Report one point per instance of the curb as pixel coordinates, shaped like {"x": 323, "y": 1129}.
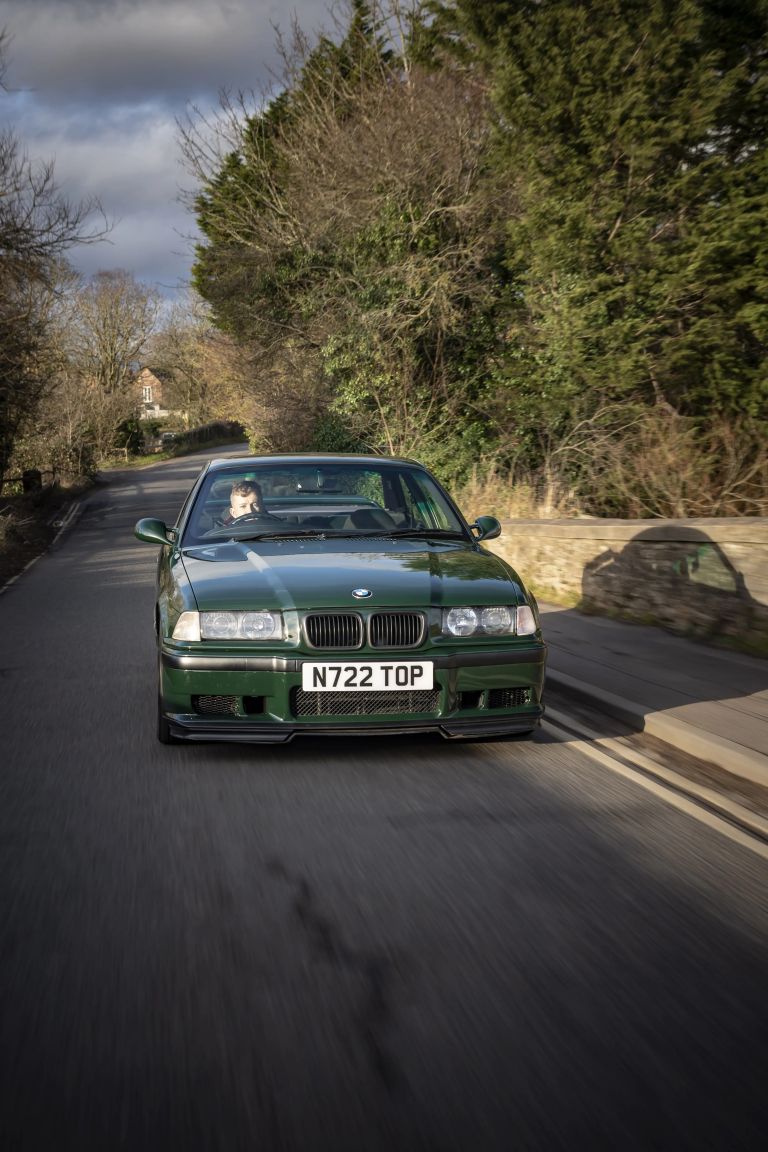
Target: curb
{"x": 714, "y": 801}
{"x": 731, "y": 757}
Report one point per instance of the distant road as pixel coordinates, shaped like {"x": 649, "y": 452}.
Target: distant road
{"x": 348, "y": 946}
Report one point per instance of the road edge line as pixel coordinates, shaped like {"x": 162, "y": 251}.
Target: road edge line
{"x": 72, "y": 514}
{"x": 725, "y": 816}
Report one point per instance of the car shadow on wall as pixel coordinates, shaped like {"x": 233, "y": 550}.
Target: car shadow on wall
{"x": 687, "y": 585}
{"x": 666, "y": 623}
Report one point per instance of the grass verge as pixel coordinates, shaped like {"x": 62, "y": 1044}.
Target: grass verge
{"x": 28, "y": 524}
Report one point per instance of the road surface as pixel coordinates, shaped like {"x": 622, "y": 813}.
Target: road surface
{"x": 342, "y": 945}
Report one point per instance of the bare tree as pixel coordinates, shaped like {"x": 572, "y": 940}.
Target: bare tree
{"x": 106, "y": 331}
{"x": 38, "y": 225}
{"x": 112, "y": 320}
{"x": 350, "y": 224}
{"x": 668, "y": 465}
{"x": 178, "y": 350}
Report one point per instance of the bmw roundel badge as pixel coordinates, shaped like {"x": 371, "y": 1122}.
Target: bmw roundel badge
{"x": 361, "y": 593}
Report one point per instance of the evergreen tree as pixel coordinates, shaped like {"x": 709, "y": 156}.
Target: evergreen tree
{"x": 633, "y": 132}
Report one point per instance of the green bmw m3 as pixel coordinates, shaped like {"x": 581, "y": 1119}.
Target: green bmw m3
{"x": 332, "y": 594}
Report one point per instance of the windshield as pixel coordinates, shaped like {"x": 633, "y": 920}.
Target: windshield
{"x": 304, "y": 499}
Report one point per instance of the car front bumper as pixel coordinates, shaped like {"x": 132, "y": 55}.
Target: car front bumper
{"x": 478, "y": 693}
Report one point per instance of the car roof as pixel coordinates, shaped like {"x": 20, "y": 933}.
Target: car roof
{"x": 316, "y": 458}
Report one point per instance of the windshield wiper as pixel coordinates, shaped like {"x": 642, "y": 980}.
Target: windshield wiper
{"x": 284, "y": 534}
{"x": 311, "y": 534}
{"x": 335, "y": 534}
{"x": 427, "y": 533}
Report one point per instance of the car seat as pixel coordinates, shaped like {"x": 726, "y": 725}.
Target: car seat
{"x": 371, "y": 518}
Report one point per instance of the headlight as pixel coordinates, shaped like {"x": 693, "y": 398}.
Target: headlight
{"x": 496, "y": 620}
{"x": 218, "y": 625}
{"x": 492, "y": 620}
{"x": 261, "y": 626}
{"x": 460, "y": 622}
{"x": 241, "y": 626}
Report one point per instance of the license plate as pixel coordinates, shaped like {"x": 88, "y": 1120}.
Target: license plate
{"x": 396, "y": 676}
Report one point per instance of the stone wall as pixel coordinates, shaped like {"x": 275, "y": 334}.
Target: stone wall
{"x": 706, "y": 578}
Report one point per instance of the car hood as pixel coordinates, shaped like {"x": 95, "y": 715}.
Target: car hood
{"x": 310, "y": 574}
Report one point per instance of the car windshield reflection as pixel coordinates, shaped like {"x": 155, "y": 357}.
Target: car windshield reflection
{"x": 274, "y": 501}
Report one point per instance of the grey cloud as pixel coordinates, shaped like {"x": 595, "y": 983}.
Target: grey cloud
{"x": 135, "y": 160}
{"x": 176, "y": 50}
{"x": 149, "y": 246}
{"x": 132, "y": 164}
{"x": 97, "y": 85}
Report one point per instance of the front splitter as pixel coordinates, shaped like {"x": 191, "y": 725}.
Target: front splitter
{"x": 192, "y": 729}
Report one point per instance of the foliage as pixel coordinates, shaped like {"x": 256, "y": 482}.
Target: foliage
{"x": 130, "y": 436}
{"x": 637, "y": 258}
{"x": 530, "y": 233}
{"x": 38, "y": 225}
{"x": 86, "y": 404}
{"x": 178, "y": 351}
{"x": 671, "y": 467}
{"x": 347, "y": 233}
{"x": 151, "y": 428}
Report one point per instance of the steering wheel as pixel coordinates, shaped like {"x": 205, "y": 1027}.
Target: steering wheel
{"x": 250, "y": 517}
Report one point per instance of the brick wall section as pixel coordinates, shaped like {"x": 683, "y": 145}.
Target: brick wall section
{"x": 706, "y": 578}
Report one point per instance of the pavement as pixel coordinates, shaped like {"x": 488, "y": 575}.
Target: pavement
{"x": 707, "y": 702}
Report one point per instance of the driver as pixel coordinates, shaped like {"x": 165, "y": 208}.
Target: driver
{"x": 244, "y": 500}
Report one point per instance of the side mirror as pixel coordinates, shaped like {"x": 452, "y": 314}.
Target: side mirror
{"x": 486, "y": 528}
{"x": 152, "y": 531}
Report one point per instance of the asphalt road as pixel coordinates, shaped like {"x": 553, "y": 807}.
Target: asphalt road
{"x": 341, "y": 945}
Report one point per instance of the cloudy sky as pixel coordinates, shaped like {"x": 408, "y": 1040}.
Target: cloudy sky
{"x": 97, "y": 86}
